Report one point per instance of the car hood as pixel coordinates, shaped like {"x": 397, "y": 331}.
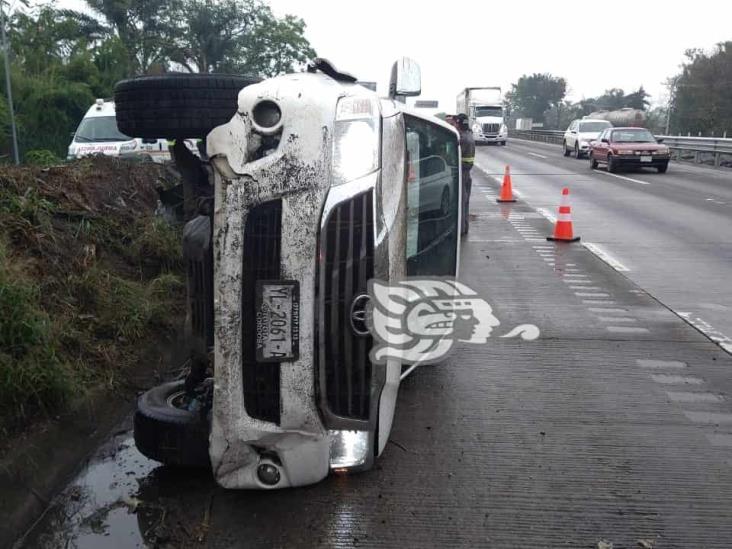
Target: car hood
{"x": 489, "y": 120}
{"x": 588, "y": 136}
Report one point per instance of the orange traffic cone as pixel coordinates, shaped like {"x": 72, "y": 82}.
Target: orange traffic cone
{"x": 506, "y": 189}
{"x": 563, "y": 227}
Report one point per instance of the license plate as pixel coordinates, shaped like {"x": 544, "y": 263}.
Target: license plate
{"x": 278, "y": 320}
{"x": 646, "y": 159}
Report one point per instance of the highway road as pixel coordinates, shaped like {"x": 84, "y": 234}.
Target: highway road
{"x": 613, "y": 429}
{"x": 669, "y": 233}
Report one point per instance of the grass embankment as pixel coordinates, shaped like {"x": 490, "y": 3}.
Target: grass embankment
{"x": 88, "y": 276}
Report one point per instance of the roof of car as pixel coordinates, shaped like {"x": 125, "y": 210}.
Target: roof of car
{"x": 593, "y": 120}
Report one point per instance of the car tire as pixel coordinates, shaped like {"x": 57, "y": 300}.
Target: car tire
{"x": 612, "y": 167}
{"x": 577, "y": 152}
{"x": 662, "y": 168}
{"x": 445, "y": 202}
{"x": 566, "y": 150}
{"x": 593, "y": 162}
{"x": 177, "y": 105}
{"x": 168, "y": 434}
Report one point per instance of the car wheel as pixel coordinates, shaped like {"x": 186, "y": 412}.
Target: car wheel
{"x": 577, "y": 152}
{"x": 168, "y": 432}
{"x": 612, "y": 167}
{"x": 662, "y": 168}
{"x": 177, "y": 105}
{"x": 566, "y": 150}
{"x": 445, "y": 202}
{"x": 593, "y": 162}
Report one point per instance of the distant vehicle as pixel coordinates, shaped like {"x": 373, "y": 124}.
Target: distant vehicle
{"x": 484, "y": 109}
{"x": 98, "y": 134}
{"x": 524, "y": 123}
{"x": 629, "y": 147}
{"x": 626, "y": 117}
{"x": 579, "y": 134}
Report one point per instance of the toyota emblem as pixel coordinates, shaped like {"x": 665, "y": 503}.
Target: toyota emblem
{"x": 359, "y": 315}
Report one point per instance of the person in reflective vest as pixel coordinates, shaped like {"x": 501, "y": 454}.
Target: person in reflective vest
{"x": 467, "y": 159}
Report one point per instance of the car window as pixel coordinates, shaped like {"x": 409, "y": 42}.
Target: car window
{"x": 99, "y": 128}
{"x": 633, "y": 135}
{"x": 590, "y": 127}
{"x": 432, "y": 198}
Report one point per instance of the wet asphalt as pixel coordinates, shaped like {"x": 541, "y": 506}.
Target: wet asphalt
{"x": 615, "y": 427}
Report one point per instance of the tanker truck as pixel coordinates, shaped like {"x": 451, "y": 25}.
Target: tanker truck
{"x": 622, "y": 117}
{"x": 484, "y": 109}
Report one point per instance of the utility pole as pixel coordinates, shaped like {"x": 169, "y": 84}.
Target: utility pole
{"x": 8, "y": 85}
{"x": 671, "y": 97}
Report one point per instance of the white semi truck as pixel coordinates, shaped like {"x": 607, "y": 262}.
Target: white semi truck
{"x": 484, "y": 108}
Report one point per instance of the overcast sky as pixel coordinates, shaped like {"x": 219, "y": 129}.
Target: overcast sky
{"x": 594, "y": 45}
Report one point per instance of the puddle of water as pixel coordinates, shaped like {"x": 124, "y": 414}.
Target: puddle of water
{"x": 122, "y": 499}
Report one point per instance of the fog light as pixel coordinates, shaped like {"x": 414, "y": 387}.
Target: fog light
{"x": 348, "y": 448}
{"x": 268, "y": 474}
{"x": 266, "y": 117}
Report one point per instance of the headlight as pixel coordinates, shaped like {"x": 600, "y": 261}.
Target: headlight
{"x": 355, "y": 139}
{"x": 504, "y": 129}
{"x": 625, "y": 152}
{"x": 348, "y": 448}
{"x": 661, "y": 151}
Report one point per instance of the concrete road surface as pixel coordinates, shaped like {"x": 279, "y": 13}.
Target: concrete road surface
{"x": 615, "y": 426}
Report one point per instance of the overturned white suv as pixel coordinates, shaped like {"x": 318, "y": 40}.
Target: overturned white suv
{"x": 315, "y": 186}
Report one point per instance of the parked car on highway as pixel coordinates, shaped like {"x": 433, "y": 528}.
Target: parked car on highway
{"x": 98, "y": 134}
{"x": 319, "y": 187}
{"x": 580, "y": 133}
{"x": 629, "y": 148}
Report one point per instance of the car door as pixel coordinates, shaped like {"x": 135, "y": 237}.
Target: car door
{"x": 432, "y": 236}
{"x": 571, "y": 137}
{"x": 599, "y": 150}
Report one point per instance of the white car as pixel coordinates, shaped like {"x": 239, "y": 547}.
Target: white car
{"x": 98, "y": 134}
{"x": 580, "y": 133}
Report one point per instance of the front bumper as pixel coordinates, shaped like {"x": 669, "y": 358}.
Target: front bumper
{"x": 490, "y": 138}
{"x": 636, "y": 162}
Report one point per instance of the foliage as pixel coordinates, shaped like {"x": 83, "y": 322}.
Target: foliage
{"x": 61, "y": 60}
{"x": 702, "y": 101}
{"x": 41, "y": 157}
{"x": 532, "y": 95}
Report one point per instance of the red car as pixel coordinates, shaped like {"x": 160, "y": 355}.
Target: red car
{"x": 628, "y": 147}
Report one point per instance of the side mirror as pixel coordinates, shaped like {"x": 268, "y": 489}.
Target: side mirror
{"x": 149, "y": 141}
{"x": 659, "y": 140}
{"x": 572, "y": 131}
{"x": 406, "y": 78}
{"x": 605, "y": 140}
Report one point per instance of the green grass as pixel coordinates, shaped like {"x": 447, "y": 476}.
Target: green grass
{"x": 81, "y": 296}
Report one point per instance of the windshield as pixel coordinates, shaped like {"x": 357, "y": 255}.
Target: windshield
{"x": 633, "y": 136}
{"x": 488, "y": 111}
{"x": 593, "y": 127}
{"x": 99, "y": 128}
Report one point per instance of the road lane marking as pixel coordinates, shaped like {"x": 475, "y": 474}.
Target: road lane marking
{"x": 626, "y": 330}
{"x": 591, "y": 294}
{"x": 693, "y": 397}
{"x": 606, "y": 257}
{"x": 617, "y": 319}
{"x": 538, "y": 155}
{"x": 607, "y": 310}
{"x": 708, "y": 417}
{"x": 666, "y": 379}
{"x": 657, "y": 364}
{"x": 585, "y": 287}
{"x": 579, "y": 282}
{"x": 546, "y": 213}
{"x": 724, "y": 341}
{"x": 598, "y": 302}
{"x": 623, "y": 177}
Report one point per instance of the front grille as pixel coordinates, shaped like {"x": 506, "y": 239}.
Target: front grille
{"x": 490, "y": 128}
{"x": 198, "y": 254}
{"x": 261, "y": 261}
{"x": 347, "y": 264}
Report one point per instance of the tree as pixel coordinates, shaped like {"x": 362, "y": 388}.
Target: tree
{"x": 533, "y": 95}
{"x": 238, "y": 36}
{"x": 702, "y": 101}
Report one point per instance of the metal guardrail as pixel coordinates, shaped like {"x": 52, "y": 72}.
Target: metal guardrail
{"x": 711, "y": 151}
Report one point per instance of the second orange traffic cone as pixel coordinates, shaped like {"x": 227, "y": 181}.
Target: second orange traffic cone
{"x": 563, "y": 228}
{"x": 506, "y": 189}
